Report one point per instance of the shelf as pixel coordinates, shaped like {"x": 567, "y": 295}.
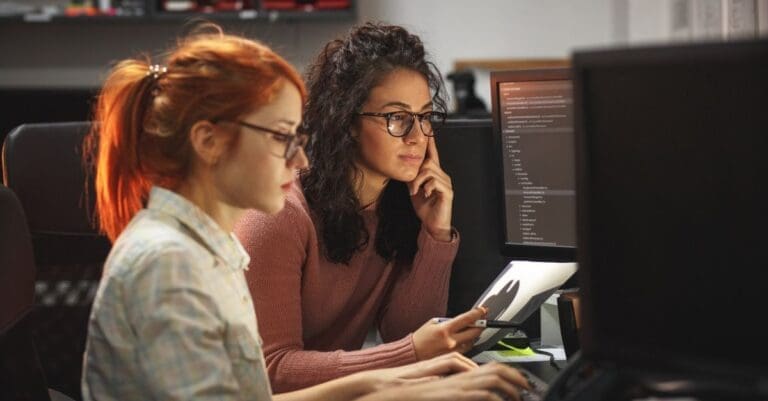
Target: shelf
{"x": 40, "y": 19}
{"x": 261, "y": 15}
{"x": 152, "y": 15}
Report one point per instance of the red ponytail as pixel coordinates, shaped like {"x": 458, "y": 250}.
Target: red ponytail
{"x": 141, "y": 121}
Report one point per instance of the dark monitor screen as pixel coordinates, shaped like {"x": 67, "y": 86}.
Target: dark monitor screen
{"x": 673, "y": 192}
{"x": 533, "y": 137}
{"x": 467, "y": 156}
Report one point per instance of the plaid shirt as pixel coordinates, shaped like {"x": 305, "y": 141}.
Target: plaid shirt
{"x": 173, "y": 318}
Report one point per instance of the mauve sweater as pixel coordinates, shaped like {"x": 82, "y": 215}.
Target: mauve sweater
{"x": 314, "y": 315}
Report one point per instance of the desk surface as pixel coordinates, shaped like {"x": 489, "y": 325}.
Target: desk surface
{"x": 543, "y": 369}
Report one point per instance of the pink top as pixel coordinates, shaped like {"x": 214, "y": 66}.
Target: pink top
{"x": 314, "y": 315}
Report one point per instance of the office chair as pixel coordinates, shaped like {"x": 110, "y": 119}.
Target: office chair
{"x": 42, "y": 165}
{"x": 21, "y": 374}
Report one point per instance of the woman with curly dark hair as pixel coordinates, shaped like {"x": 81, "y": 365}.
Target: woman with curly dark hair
{"x": 366, "y": 239}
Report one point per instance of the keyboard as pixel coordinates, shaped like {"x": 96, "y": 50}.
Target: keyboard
{"x": 539, "y": 386}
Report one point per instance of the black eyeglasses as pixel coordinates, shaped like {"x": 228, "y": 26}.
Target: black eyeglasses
{"x": 292, "y": 142}
{"x": 399, "y": 123}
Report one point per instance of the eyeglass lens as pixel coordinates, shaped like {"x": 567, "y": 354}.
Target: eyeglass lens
{"x": 297, "y": 142}
{"x": 400, "y": 123}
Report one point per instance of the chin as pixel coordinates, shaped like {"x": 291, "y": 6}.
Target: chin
{"x": 273, "y": 206}
{"x": 405, "y": 176}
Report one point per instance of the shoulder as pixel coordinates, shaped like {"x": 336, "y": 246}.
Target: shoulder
{"x": 294, "y": 219}
{"x": 152, "y": 239}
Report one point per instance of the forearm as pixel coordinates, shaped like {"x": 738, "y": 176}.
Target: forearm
{"x": 420, "y": 292}
{"x": 297, "y": 369}
{"x": 342, "y": 389}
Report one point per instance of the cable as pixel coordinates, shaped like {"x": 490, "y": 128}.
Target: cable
{"x": 551, "y": 357}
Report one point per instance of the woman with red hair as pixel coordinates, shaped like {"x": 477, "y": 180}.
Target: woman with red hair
{"x": 181, "y": 151}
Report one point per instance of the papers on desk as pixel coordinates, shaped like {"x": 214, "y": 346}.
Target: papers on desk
{"x": 506, "y": 356}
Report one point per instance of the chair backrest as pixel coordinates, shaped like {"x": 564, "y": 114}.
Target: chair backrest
{"x": 17, "y": 265}
{"x": 21, "y": 376}
{"x": 42, "y": 164}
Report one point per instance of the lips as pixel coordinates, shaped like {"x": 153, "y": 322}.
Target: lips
{"x": 410, "y": 158}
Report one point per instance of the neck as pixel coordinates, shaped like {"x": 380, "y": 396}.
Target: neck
{"x": 205, "y": 196}
{"x": 368, "y": 186}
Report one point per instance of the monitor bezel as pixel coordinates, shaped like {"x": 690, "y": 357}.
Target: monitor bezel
{"x": 515, "y": 250}
{"x": 596, "y": 345}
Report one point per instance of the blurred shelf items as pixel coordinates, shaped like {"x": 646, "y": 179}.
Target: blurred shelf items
{"x": 45, "y": 10}
{"x": 272, "y": 10}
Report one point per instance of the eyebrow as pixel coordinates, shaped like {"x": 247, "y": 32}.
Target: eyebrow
{"x": 406, "y": 106}
{"x": 286, "y": 121}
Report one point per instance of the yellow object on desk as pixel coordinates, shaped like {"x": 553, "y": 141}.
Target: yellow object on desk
{"x": 514, "y": 351}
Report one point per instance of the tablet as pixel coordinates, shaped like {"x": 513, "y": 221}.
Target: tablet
{"x": 516, "y": 293}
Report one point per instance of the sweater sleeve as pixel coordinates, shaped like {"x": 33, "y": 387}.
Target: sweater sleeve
{"x": 278, "y": 246}
{"x": 421, "y": 292}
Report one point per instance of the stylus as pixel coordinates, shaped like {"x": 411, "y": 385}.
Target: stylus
{"x": 491, "y": 324}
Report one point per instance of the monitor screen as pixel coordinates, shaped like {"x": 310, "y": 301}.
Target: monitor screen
{"x": 673, "y": 187}
{"x": 465, "y": 152}
{"x": 533, "y": 137}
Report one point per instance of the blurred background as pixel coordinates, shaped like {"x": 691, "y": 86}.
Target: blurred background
{"x": 54, "y": 53}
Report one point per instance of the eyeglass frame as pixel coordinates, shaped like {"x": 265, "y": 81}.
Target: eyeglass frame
{"x": 416, "y": 116}
{"x": 291, "y": 147}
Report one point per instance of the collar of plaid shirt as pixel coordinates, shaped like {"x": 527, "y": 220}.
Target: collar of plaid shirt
{"x": 202, "y": 227}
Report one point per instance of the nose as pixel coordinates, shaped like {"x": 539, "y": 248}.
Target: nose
{"x": 299, "y": 160}
{"x": 415, "y": 134}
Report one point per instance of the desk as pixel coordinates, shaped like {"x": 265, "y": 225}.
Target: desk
{"x": 542, "y": 368}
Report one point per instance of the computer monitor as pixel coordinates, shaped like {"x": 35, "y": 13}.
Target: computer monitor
{"x": 672, "y": 187}
{"x": 466, "y": 155}
{"x": 532, "y": 112}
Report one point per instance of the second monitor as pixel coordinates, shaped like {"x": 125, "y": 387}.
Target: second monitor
{"x": 533, "y": 136}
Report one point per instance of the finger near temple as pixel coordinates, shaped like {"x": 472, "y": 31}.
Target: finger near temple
{"x": 432, "y": 151}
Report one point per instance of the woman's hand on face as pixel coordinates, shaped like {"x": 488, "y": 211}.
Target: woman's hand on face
{"x": 455, "y": 335}
{"x": 432, "y": 195}
{"x": 492, "y": 382}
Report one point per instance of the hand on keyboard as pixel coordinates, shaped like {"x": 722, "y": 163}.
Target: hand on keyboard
{"x": 538, "y": 386}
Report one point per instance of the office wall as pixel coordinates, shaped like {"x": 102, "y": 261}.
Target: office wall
{"x": 78, "y": 54}
{"x": 653, "y": 21}
{"x": 503, "y": 29}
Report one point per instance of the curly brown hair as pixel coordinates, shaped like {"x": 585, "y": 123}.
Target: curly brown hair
{"x": 339, "y": 82}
